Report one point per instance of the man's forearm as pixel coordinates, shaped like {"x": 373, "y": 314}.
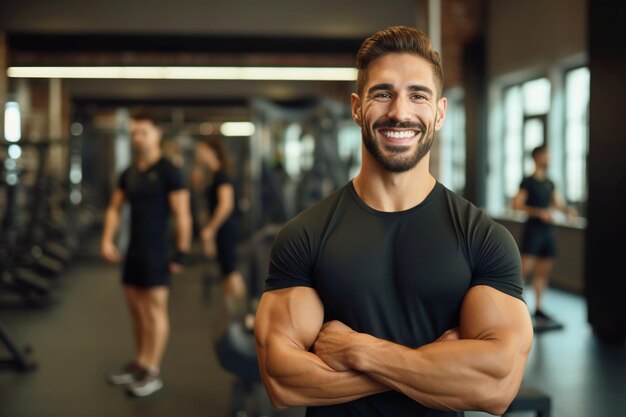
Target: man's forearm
{"x": 532, "y": 211}
{"x": 455, "y": 375}
{"x": 294, "y": 377}
{"x": 220, "y": 215}
{"x": 183, "y": 232}
{"x": 111, "y": 224}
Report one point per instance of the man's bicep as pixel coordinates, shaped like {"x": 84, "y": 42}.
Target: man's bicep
{"x": 292, "y": 315}
{"x": 489, "y": 314}
{"x": 520, "y": 198}
{"x": 117, "y": 199}
{"x": 178, "y": 200}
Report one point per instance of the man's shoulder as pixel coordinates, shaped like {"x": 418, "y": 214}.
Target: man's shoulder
{"x": 166, "y": 165}
{"x": 459, "y": 202}
{"x": 467, "y": 214}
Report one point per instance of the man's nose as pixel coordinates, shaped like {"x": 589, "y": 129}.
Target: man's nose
{"x": 399, "y": 109}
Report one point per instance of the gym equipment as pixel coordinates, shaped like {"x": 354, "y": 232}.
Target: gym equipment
{"x": 30, "y": 288}
{"x": 235, "y": 344}
{"x": 531, "y": 399}
{"x": 18, "y": 359}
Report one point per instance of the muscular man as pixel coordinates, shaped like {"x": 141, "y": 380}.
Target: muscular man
{"x": 154, "y": 188}
{"x": 393, "y": 296}
{"x": 537, "y": 196}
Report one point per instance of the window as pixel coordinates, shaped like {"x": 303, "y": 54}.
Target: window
{"x": 452, "y": 156}
{"x": 552, "y": 111}
{"x": 576, "y": 135}
{"x": 526, "y": 107}
{"x": 349, "y": 146}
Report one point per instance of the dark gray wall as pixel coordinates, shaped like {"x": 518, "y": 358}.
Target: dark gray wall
{"x": 606, "y": 241}
{"x": 533, "y": 32}
{"x": 326, "y": 18}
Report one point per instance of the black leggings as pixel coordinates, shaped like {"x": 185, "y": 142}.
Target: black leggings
{"x": 226, "y": 241}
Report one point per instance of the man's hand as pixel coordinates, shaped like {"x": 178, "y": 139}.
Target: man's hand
{"x": 335, "y": 341}
{"x": 207, "y": 234}
{"x": 546, "y": 216}
{"x": 452, "y": 334}
{"x": 333, "y": 345}
{"x": 208, "y": 242}
{"x": 571, "y": 214}
{"x": 109, "y": 252}
{"x": 176, "y": 268}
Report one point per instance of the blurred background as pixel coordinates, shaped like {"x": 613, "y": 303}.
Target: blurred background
{"x": 274, "y": 78}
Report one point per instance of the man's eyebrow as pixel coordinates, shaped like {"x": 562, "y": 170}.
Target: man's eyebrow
{"x": 420, "y": 88}
{"x": 389, "y": 86}
{"x": 379, "y": 87}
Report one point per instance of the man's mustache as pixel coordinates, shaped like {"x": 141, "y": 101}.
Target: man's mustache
{"x": 391, "y": 124}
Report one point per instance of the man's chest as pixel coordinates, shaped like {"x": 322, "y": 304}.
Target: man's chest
{"x": 425, "y": 261}
{"x": 144, "y": 187}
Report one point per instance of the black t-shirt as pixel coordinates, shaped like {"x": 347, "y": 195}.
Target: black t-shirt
{"x": 147, "y": 192}
{"x": 539, "y": 195}
{"x": 220, "y": 178}
{"x": 399, "y": 276}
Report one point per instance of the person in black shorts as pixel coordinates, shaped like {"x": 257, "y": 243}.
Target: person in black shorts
{"x": 154, "y": 188}
{"x": 220, "y": 234}
{"x": 537, "y": 197}
{"x": 394, "y": 296}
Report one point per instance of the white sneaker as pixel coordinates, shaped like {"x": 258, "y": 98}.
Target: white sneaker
{"x": 125, "y": 375}
{"x": 145, "y": 383}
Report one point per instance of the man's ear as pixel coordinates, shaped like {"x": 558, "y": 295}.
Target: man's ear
{"x": 355, "y": 102}
{"x": 442, "y": 105}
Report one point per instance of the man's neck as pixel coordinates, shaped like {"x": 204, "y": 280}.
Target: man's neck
{"x": 540, "y": 174}
{"x": 148, "y": 158}
{"x": 390, "y": 191}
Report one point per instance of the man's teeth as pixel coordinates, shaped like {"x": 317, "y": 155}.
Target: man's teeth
{"x": 399, "y": 134}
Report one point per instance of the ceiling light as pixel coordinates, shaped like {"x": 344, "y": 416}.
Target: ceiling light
{"x": 237, "y": 129}
{"x": 189, "y": 73}
{"x": 12, "y": 122}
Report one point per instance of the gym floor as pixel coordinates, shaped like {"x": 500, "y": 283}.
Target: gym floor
{"x": 77, "y": 341}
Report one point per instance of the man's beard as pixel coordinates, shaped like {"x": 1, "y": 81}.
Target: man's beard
{"x": 397, "y": 162}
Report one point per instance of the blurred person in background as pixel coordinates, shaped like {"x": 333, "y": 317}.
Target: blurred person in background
{"x": 154, "y": 188}
{"x": 537, "y": 197}
{"x": 220, "y": 231}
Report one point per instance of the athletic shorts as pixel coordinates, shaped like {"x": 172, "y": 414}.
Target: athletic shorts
{"x": 146, "y": 269}
{"x": 226, "y": 241}
{"x": 538, "y": 240}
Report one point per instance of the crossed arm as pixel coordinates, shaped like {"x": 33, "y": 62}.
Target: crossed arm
{"x": 478, "y": 366}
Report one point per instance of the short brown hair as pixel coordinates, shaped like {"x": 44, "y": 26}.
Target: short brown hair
{"x": 539, "y": 149}
{"x": 398, "y": 39}
{"x": 221, "y": 151}
{"x": 143, "y": 114}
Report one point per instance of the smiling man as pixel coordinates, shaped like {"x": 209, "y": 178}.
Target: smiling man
{"x": 394, "y": 296}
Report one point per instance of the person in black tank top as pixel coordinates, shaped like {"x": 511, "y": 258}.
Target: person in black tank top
{"x": 220, "y": 234}
{"x": 394, "y": 297}
{"x": 537, "y": 197}
{"x": 154, "y": 189}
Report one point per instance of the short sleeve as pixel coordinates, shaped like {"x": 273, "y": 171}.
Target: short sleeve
{"x": 525, "y": 184}
{"x": 497, "y": 261}
{"x": 291, "y": 263}
{"x": 220, "y": 178}
{"x": 122, "y": 182}
{"x": 173, "y": 178}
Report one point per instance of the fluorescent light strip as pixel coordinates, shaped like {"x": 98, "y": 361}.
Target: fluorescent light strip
{"x": 237, "y": 129}
{"x": 189, "y": 73}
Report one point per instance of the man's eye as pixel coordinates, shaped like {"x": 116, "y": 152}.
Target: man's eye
{"x": 383, "y": 95}
{"x": 419, "y": 97}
